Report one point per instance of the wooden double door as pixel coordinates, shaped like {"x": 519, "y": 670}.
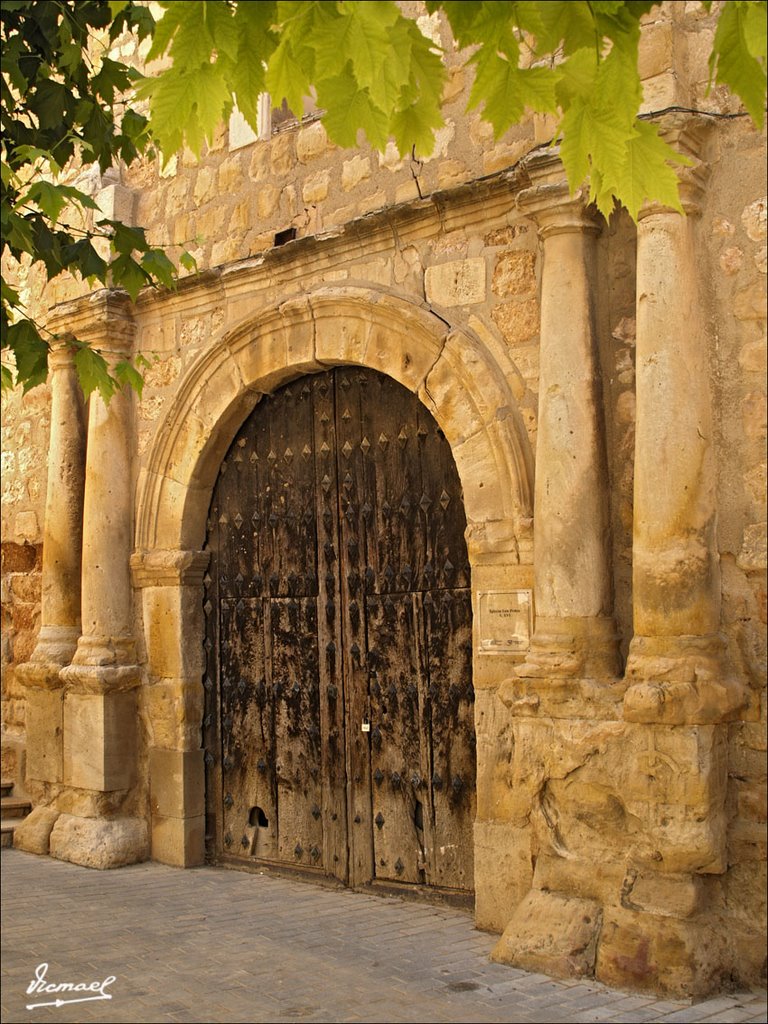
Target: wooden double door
{"x": 339, "y": 726}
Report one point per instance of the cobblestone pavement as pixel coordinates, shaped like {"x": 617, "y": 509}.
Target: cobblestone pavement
{"x": 215, "y": 945}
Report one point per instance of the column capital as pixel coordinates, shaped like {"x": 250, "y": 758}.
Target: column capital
{"x": 687, "y": 133}
{"x": 169, "y": 568}
{"x": 103, "y": 319}
{"x": 551, "y": 204}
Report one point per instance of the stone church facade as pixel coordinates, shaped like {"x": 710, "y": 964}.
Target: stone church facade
{"x": 599, "y": 391}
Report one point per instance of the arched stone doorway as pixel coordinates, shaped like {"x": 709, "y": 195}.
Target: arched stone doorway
{"x": 469, "y": 384}
{"x": 339, "y": 725}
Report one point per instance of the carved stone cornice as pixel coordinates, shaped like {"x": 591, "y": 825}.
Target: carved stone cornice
{"x": 103, "y": 319}
{"x": 549, "y": 201}
{"x": 169, "y": 568}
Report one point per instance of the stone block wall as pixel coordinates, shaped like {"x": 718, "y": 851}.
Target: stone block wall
{"x": 576, "y": 804}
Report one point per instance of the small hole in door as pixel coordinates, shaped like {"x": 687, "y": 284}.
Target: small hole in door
{"x": 258, "y": 817}
{"x": 418, "y": 816}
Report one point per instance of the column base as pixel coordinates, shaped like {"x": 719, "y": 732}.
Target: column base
{"x": 572, "y": 648}
{"x": 33, "y": 834}
{"x": 56, "y": 645}
{"x": 100, "y": 842}
{"x": 564, "y": 697}
{"x": 572, "y": 937}
{"x": 701, "y": 702}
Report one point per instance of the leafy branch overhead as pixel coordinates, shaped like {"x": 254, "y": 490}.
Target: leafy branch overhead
{"x": 61, "y": 110}
{"x": 66, "y": 103}
{"x": 373, "y": 71}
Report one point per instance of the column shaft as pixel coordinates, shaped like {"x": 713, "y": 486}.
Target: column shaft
{"x": 63, "y": 533}
{"x": 575, "y": 635}
{"x": 675, "y": 659}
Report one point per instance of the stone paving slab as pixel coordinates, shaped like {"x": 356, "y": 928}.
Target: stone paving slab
{"x": 209, "y": 944}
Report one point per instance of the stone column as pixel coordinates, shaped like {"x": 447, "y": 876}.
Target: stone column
{"x": 575, "y": 635}
{"x": 62, "y": 549}
{"x": 675, "y": 659}
{"x": 100, "y": 701}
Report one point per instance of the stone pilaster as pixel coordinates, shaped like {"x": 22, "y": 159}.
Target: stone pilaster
{"x": 62, "y": 550}
{"x": 171, "y": 584}
{"x": 675, "y": 659}
{"x": 99, "y": 720}
{"x": 575, "y": 635}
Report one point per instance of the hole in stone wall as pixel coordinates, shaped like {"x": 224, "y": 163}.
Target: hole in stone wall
{"x": 288, "y": 235}
{"x": 257, "y": 817}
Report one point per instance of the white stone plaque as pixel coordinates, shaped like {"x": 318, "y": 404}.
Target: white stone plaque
{"x": 505, "y": 621}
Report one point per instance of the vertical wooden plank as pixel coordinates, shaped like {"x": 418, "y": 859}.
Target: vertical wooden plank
{"x": 298, "y": 747}
{"x": 352, "y": 394}
{"x": 395, "y": 543}
{"x": 247, "y": 729}
{"x": 330, "y": 653}
{"x": 441, "y": 508}
{"x": 448, "y": 628}
{"x": 288, "y": 528}
{"x": 396, "y": 761}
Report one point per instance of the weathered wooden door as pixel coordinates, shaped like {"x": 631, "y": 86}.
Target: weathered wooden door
{"x": 339, "y": 725}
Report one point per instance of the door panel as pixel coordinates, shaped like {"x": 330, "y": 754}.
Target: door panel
{"x": 398, "y": 750}
{"x": 448, "y": 643}
{"x": 339, "y": 717}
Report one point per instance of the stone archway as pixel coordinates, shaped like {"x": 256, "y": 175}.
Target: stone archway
{"x": 468, "y": 389}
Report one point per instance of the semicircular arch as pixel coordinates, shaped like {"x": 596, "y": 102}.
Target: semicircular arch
{"x": 470, "y": 390}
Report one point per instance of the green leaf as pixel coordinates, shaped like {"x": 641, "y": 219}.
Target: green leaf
{"x": 413, "y": 129}
{"x": 83, "y": 258}
{"x": 188, "y": 261}
{"x": 257, "y": 43}
{"x": 506, "y": 91}
{"x": 157, "y": 264}
{"x": 646, "y": 174}
{"x": 286, "y": 79}
{"x": 462, "y": 15}
{"x": 30, "y": 353}
{"x": 349, "y": 108}
{"x": 128, "y": 274}
{"x": 126, "y": 374}
{"x": 733, "y": 60}
{"x": 173, "y": 16}
{"x": 49, "y": 198}
{"x": 359, "y": 34}
{"x": 31, "y": 154}
{"x": 125, "y": 239}
{"x": 756, "y": 30}
{"x": 567, "y": 21}
{"x": 6, "y": 377}
{"x": 93, "y": 373}
{"x": 9, "y": 295}
{"x": 575, "y": 147}
{"x": 116, "y": 6}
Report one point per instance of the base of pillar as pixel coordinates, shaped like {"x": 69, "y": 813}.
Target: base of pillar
{"x": 573, "y": 648}
{"x": 56, "y": 645}
{"x": 564, "y": 697}
{"x": 100, "y": 842}
{"x": 572, "y": 937}
{"x": 33, "y": 834}
{"x": 701, "y": 702}
{"x": 101, "y": 678}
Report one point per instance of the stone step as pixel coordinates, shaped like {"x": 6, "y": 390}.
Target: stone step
{"x": 14, "y": 807}
{"x": 6, "y": 832}
{"x": 6, "y": 787}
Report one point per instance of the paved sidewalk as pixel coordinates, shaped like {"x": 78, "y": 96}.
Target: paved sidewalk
{"x": 216, "y": 945}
